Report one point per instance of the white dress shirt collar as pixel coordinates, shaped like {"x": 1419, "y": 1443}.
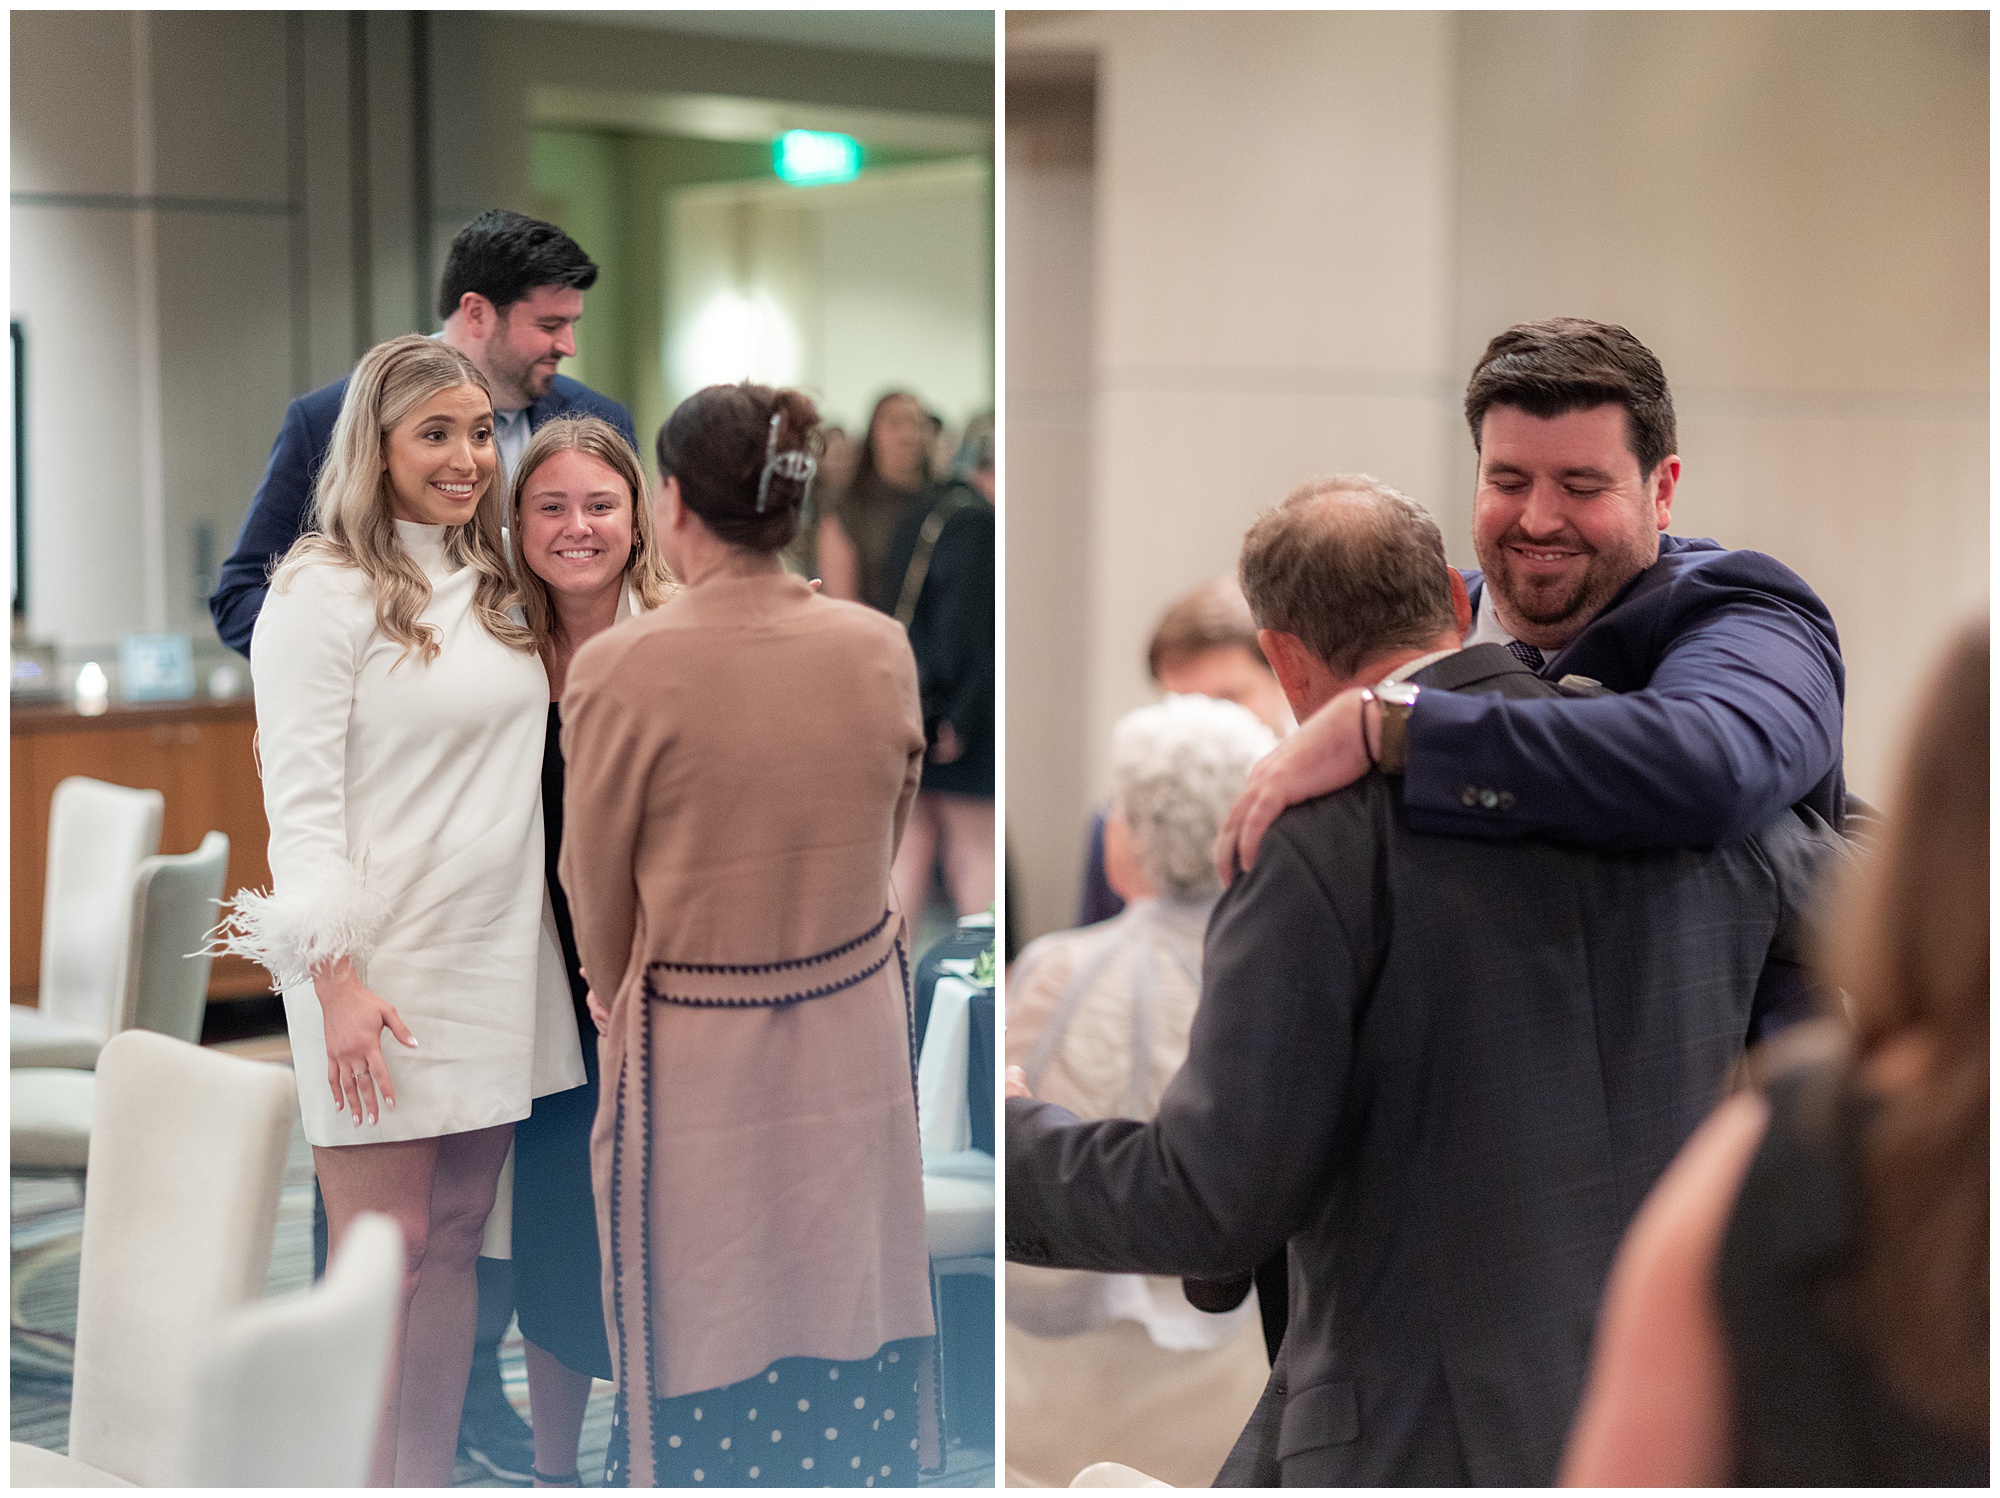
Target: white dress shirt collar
{"x": 1487, "y": 628}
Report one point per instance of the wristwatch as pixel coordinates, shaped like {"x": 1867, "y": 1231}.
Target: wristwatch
{"x": 1393, "y": 700}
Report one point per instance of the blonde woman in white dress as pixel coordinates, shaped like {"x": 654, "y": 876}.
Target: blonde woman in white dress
{"x": 400, "y": 720}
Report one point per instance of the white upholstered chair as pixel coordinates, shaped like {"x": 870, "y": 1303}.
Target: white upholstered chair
{"x": 175, "y": 903}
{"x": 958, "y": 1179}
{"x": 98, "y": 835}
{"x": 164, "y": 989}
{"x": 1114, "y": 1475}
{"x": 289, "y": 1393}
{"x": 187, "y": 1154}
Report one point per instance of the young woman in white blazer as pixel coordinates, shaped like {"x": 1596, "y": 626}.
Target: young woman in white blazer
{"x": 400, "y": 715}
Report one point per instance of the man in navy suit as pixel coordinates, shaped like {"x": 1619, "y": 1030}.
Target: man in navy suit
{"x": 1725, "y": 665}
{"x": 511, "y": 295}
{"x": 510, "y": 298}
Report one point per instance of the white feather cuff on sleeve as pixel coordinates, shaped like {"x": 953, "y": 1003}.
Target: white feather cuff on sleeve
{"x": 329, "y": 915}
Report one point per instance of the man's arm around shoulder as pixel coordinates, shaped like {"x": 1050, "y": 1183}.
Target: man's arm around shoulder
{"x": 1244, "y": 1143}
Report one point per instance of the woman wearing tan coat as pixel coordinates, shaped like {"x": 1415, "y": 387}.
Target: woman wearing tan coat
{"x": 741, "y": 763}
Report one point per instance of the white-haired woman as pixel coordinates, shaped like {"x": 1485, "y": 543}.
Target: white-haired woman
{"x": 400, "y": 717}
{"x": 1121, "y": 1367}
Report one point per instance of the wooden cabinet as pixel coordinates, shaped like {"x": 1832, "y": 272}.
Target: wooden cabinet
{"x": 200, "y": 755}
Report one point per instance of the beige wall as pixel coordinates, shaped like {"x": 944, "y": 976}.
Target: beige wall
{"x": 1304, "y": 228}
{"x": 1791, "y": 209}
{"x": 215, "y": 211}
{"x": 1046, "y": 462}
{"x": 186, "y": 257}
{"x": 864, "y": 286}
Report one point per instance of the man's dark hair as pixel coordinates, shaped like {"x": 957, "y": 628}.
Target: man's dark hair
{"x": 1352, "y": 568}
{"x": 504, "y": 255}
{"x": 1565, "y": 364}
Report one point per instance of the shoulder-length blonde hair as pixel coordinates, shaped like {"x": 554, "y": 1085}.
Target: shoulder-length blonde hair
{"x": 353, "y": 518}
{"x": 645, "y": 569}
{"x": 1909, "y": 949}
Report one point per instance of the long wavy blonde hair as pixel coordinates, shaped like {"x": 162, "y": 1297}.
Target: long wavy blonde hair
{"x": 353, "y": 519}
{"x": 645, "y": 569}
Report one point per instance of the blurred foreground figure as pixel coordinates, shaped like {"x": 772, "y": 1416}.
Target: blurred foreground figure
{"x": 1120, "y": 1367}
{"x": 1803, "y": 1300}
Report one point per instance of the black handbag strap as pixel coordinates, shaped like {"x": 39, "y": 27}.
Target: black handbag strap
{"x": 948, "y": 504}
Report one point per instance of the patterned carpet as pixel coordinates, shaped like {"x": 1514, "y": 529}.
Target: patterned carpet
{"x": 47, "y": 1224}
{"x": 47, "y": 1227}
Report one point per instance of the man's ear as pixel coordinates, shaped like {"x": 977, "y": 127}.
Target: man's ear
{"x": 478, "y": 313}
{"x": 1667, "y": 478}
{"x": 1291, "y": 662}
{"x": 1461, "y": 602}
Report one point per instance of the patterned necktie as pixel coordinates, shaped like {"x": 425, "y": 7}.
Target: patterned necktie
{"x": 1527, "y": 655}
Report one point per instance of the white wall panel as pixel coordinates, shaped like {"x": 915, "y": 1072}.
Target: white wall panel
{"x": 74, "y": 290}
{"x": 70, "y": 101}
{"x": 1307, "y": 226}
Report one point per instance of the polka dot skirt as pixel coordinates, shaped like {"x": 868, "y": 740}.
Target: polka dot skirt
{"x": 801, "y": 1423}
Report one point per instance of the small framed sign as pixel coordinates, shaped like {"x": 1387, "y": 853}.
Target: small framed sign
{"x": 156, "y": 668}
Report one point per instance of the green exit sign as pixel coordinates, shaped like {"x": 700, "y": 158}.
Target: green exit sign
{"x": 807, "y": 157}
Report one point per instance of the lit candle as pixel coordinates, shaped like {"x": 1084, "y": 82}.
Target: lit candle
{"x": 93, "y": 691}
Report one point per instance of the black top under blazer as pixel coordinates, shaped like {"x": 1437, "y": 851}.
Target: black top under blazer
{"x": 1446, "y": 1071}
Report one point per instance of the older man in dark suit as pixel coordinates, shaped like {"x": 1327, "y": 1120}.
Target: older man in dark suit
{"x": 1446, "y": 1069}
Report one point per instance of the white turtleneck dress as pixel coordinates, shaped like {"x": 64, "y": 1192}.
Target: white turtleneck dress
{"x": 406, "y": 832}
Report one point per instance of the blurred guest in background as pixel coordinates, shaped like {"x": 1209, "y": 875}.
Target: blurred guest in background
{"x": 755, "y": 1155}
{"x": 1803, "y": 1300}
{"x": 942, "y": 451}
{"x": 837, "y": 459}
{"x": 1206, "y": 642}
{"x": 937, "y": 579}
{"x": 585, "y": 556}
{"x": 855, "y": 530}
{"x": 1113, "y": 1367}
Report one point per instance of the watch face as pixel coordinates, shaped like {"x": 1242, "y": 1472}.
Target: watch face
{"x": 1402, "y": 693}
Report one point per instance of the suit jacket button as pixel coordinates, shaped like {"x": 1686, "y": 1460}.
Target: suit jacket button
{"x": 1506, "y": 800}
{"x": 1469, "y": 796}
{"x": 1488, "y": 800}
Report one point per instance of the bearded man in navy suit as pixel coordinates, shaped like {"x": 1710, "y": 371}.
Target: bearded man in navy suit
{"x": 510, "y": 299}
{"x": 1724, "y": 667}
